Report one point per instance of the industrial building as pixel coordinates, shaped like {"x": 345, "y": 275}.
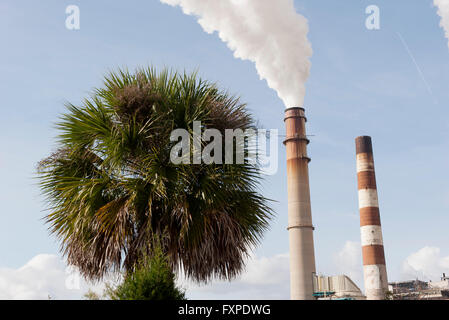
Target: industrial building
{"x": 420, "y": 290}
{"x": 336, "y": 288}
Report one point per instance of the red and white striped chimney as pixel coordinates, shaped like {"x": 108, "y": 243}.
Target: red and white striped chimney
{"x": 375, "y": 273}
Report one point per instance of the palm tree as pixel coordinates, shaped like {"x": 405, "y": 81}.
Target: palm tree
{"x": 111, "y": 188}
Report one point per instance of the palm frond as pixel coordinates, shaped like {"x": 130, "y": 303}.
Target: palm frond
{"x": 111, "y": 188}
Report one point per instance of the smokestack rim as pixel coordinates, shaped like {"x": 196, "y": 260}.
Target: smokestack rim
{"x": 290, "y": 115}
{"x": 364, "y": 144}
{"x": 294, "y": 108}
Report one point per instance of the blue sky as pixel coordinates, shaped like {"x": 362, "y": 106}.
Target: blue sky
{"x": 362, "y": 83}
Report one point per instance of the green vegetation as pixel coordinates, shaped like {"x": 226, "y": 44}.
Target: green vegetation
{"x": 152, "y": 279}
{"x": 112, "y": 190}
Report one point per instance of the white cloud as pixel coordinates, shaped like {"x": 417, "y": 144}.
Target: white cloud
{"x": 47, "y": 275}
{"x": 443, "y": 12}
{"x": 425, "y": 264}
{"x": 264, "y": 278}
{"x": 43, "y": 276}
{"x": 348, "y": 261}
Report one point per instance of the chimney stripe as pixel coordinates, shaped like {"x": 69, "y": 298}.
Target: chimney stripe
{"x": 368, "y": 198}
{"x": 370, "y": 216}
{"x": 365, "y": 162}
{"x": 371, "y": 235}
{"x": 366, "y": 180}
{"x": 375, "y": 276}
{"x": 373, "y": 255}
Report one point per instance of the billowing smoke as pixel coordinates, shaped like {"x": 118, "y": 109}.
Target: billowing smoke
{"x": 268, "y": 32}
{"x": 443, "y": 12}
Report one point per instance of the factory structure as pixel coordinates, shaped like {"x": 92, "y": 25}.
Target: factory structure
{"x": 420, "y": 290}
{"x": 305, "y": 284}
{"x": 336, "y": 288}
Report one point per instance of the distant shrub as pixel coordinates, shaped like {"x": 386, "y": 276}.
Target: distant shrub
{"x": 153, "y": 279}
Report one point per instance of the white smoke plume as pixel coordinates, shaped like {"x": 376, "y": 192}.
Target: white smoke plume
{"x": 443, "y": 12}
{"x": 268, "y": 32}
{"x": 425, "y": 264}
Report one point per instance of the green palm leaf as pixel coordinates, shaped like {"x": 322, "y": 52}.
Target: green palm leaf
{"x": 111, "y": 188}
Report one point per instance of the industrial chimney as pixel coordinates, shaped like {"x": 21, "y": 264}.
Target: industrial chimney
{"x": 375, "y": 273}
{"x": 302, "y": 255}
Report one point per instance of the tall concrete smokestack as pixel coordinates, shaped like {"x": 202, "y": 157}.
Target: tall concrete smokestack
{"x": 302, "y": 255}
{"x": 375, "y": 272}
